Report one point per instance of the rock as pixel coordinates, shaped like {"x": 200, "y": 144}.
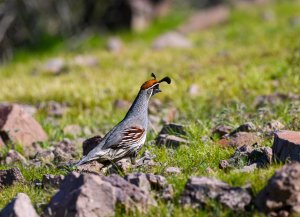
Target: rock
{"x": 173, "y": 129}
{"x": 286, "y": 146}
{"x": 31, "y": 110}
{"x": 274, "y": 125}
{"x": 280, "y": 195}
{"x": 19, "y": 127}
{"x": 86, "y": 61}
{"x": 274, "y": 98}
{"x": 170, "y": 140}
{"x": 130, "y": 196}
{"x": 55, "y": 66}
{"x": 64, "y": 151}
{"x": 144, "y": 11}
{"x": 205, "y": 19}
{"x": 247, "y": 169}
{"x": 74, "y": 130}
{"x": 114, "y": 45}
{"x": 53, "y": 108}
{"x": 83, "y": 195}
{"x": 10, "y": 177}
{"x": 193, "y": 90}
{"x": 246, "y": 127}
{"x": 148, "y": 182}
{"x": 45, "y": 156}
{"x": 90, "y": 144}
{"x": 240, "y": 139}
{"x": 246, "y": 157}
{"x": 170, "y": 114}
{"x": 13, "y": 156}
{"x": 146, "y": 160}
{"x": 20, "y": 206}
{"x": 122, "y": 166}
{"x": 199, "y": 191}
{"x": 93, "y": 167}
{"x": 171, "y": 40}
{"x": 173, "y": 170}
{"x": 52, "y": 180}
{"x": 221, "y": 130}
{"x": 121, "y": 104}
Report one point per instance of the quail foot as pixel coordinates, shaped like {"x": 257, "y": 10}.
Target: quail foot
{"x": 128, "y": 136}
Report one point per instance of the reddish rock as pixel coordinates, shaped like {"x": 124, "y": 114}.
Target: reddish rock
{"x": 240, "y": 139}
{"x": 90, "y": 144}
{"x": 10, "y": 177}
{"x": 20, "y": 206}
{"x": 286, "y": 146}
{"x": 205, "y": 19}
{"x": 18, "y": 126}
{"x": 281, "y": 194}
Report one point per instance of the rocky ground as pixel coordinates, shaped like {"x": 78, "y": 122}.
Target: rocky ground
{"x": 223, "y": 139}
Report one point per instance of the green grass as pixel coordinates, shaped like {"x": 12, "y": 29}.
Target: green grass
{"x": 231, "y": 64}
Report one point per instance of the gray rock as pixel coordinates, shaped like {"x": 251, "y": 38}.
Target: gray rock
{"x": 13, "y": 157}
{"x": 221, "y": 130}
{"x": 199, "y": 191}
{"x": 273, "y": 126}
{"x": 146, "y": 160}
{"x": 20, "y": 206}
{"x": 64, "y": 150}
{"x": 86, "y": 61}
{"x": 83, "y": 195}
{"x": 53, "y": 108}
{"x": 172, "y": 170}
{"x": 52, "y": 180}
{"x": 122, "y": 166}
{"x": 10, "y": 177}
{"x": 45, "y": 156}
{"x": 248, "y": 157}
{"x": 171, "y": 40}
{"x": 114, "y": 45}
{"x": 54, "y": 66}
{"x": 286, "y": 146}
{"x": 150, "y": 182}
{"x": 281, "y": 194}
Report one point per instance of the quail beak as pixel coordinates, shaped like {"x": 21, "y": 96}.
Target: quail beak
{"x": 155, "y": 91}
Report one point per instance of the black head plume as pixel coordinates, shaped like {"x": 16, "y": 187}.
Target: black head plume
{"x": 153, "y": 75}
{"x": 165, "y": 79}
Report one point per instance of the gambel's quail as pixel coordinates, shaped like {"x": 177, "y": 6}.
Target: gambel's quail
{"x": 128, "y": 136}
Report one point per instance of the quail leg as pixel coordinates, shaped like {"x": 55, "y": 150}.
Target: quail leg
{"x": 133, "y": 157}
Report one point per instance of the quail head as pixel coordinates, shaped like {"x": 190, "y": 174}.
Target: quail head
{"x": 128, "y": 136}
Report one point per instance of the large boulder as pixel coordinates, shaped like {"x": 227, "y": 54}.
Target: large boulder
{"x": 93, "y": 195}
{"x": 10, "y": 177}
{"x": 199, "y": 191}
{"x": 18, "y": 126}
{"x": 281, "y": 195}
{"x": 286, "y": 146}
{"x": 20, "y": 206}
